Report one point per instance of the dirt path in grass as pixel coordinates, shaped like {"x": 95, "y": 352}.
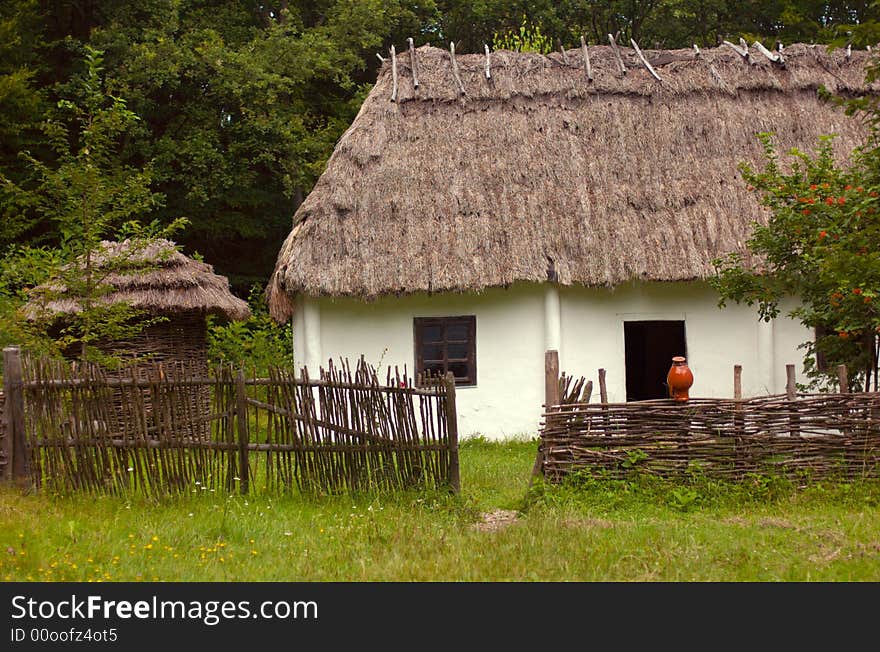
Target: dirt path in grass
{"x": 495, "y": 520}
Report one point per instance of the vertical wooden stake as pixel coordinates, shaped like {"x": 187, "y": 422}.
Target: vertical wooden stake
{"x": 15, "y": 446}
{"x": 790, "y": 386}
{"x": 588, "y": 70}
{"x": 393, "y": 75}
{"x": 564, "y": 56}
{"x": 551, "y": 378}
{"x": 843, "y": 388}
{"x": 737, "y": 381}
{"x": 452, "y": 431}
{"x": 488, "y": 72}
{"x": 242, "y": 428}
{"x": 551, "y": 398}
{"x": 842, "y": 379}
{"x": 617, "y": 54}
{"x": 413, "y": 64}
{"x": 737, "y": 396}
{"x": 455, "y": 68}
{"x": 791, "y": 395}
{"x": 603, "y": 398}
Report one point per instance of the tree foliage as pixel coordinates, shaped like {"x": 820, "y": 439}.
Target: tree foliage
{"x": 821, "y": 245}
{"x": 256, "y": 344}
{"x": 88, "y": 195}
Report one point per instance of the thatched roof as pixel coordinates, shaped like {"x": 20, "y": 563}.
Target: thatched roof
{"x": 541, "y": 174}
{"x": 156, "y": 278}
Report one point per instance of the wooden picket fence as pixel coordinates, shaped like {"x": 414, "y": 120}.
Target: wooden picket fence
{"x": 164, "y": 430}
{"x": 793, "y": 435}
{"x": 5, "y": 448}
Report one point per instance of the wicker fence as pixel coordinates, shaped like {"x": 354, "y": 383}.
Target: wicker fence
{"x": 86, "y": 431}
{"x": 793, "y": 435}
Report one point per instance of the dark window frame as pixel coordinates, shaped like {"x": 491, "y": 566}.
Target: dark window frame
{"x": 470, "y": 360}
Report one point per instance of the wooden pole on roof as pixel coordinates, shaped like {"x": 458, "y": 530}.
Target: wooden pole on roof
{"x": 488, "y": 72}
{"x": 564, "y": 56}
{"x": 848, "y": 51}
{"x": 455, "y": 67}
{"x": 380, "y": 57}
{"x": 617, "y": 54}
{"x": 588, "y": 69}
{"x": 393, "y": 75}
{"x": 743, "y": 52}
{"x": 696, "y": 50}
{"x": 775, "y": 57}
{"x": 413, "y": 63}
{"x": 645, "y": 61}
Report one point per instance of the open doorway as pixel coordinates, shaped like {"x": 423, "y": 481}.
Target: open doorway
{"x": 650, "y": 347}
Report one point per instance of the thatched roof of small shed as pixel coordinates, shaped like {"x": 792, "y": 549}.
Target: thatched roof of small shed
{"x": 540, "y": 174}
{"x": 155, "y": 277}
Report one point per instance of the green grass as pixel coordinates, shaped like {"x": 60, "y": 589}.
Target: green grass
{"x": 588, "y": 530}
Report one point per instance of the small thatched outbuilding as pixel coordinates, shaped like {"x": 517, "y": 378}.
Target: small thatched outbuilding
{"x": 478, "y": 212}
{"x": 159, "y": 280}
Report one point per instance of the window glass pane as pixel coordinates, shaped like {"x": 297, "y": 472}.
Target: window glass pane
{"x": 433, "y": 369}
{"x": 432, "y": 333}
{"x": 457, "y": 331}
{"x": 459, "y": 369}
{"x": 432, "y": 352}
{"x": 459, "y": 351}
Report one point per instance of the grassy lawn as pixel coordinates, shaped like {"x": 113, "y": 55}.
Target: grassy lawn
{"x": 645, "y": 530}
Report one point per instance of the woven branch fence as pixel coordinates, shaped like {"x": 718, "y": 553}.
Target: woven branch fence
{"x": 817, "y": 435}
{"x": 793, "y": 435}
{"x": 85, "y": 430}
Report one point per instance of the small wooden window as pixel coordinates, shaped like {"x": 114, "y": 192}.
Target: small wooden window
{"x": 447, "y": 344}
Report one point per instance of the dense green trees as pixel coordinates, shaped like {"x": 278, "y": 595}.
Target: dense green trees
{"x": 86, "y": 193}
{"x": 240, "y": 105}
{"x": 241, "y": 102}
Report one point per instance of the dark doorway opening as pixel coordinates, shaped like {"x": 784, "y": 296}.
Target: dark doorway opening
{"x": 650, "y": 347}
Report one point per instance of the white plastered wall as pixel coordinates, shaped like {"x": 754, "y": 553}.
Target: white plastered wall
{"x": 516, "y": 325}
{"x": 717, "y": 338}
{"x": 507, "y": 398}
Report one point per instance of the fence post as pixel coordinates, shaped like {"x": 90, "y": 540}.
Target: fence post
{"x": 842, "y": 379}
{"x": 452, "y": 431}
{"x": 737, "y": 396}
{"x": 242, "y": 431}
{"x": 791, "y": 395}
{"x": 843, "y": 388}
{"x": 17, "y": 463}
{"x": 551, "y": 397}
{"x": 737, "y": 381}
{"x": 603, "y": 397}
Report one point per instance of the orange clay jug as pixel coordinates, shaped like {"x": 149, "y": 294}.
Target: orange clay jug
{"x": 679, "y": 379}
